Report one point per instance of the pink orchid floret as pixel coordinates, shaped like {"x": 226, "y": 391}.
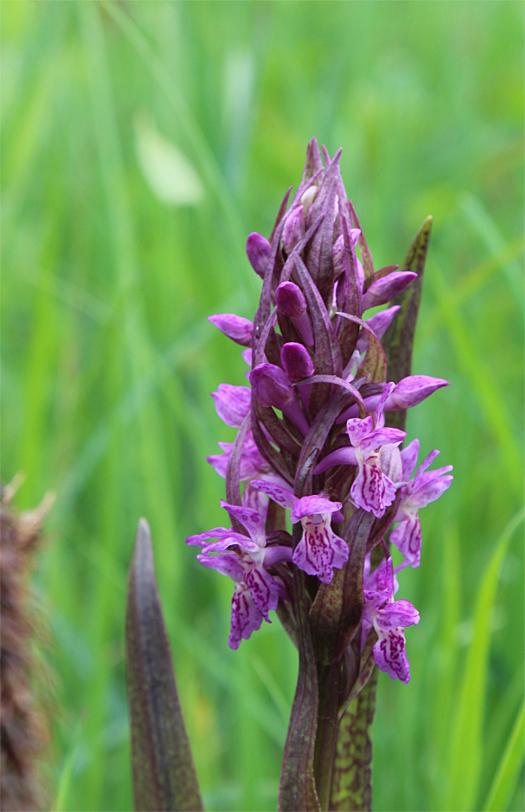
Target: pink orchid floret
{"x": 372, "y": 489}
{"x": 389, "y": 618}
{"x": 256, "y": 590}
{"x": 319, "y": 549}
{"x": 426, "y": 487}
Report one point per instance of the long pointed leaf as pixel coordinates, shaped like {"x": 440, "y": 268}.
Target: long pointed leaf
{"x": 398, "y": 340}
{"x": 352, "y": 777}
{"x": 504, "y": 782}
{"x": 164, "y": 776}
{"x": 465, "y": 746}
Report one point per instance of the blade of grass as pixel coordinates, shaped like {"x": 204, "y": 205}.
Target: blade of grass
{"x": 465, "y": 753}
{"x": 480, "y": 378}
{"x": 505, "y": 779}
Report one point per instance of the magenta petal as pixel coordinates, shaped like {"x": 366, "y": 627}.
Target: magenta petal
{"x": 390, "y": 655}
{"x": 264, "y": 589}
{"x": 258, "y": 249}
{"x": 246, "y": 618}
{"x": 372, "y": 490}
{"x": 357, "y": 429}
{"x": 275, "y": 492}
{"x": 228, "y": 564}
{"x": 395, "y": 615}
{"x": 342, "y": 456}
{"x": 235, "y": 327}
{"x": 407, "y": 538}
{"x": 409, "y": 458}
{"x": 319, "y": 551}
{"x": 380, "y": 437}
{"x": 311, "y": 505}
{"x": 250, "y": 519}
{"x": 232, "y": 403}
{"x": 214, "y": 533}
{"x": 429, "y": 488}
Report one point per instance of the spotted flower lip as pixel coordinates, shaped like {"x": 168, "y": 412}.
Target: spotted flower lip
{"x": 389, "y": 618}
{"x": 419, "y": 492}
{"x": 319, "y": 549}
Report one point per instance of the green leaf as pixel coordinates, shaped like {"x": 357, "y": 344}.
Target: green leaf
{"x": 398, "y": 340}
{"x": 466, "y": 741}
{"x": 164, "y": 776}
{"x": 352, "y": 777}
{"x": 504, "y": 782}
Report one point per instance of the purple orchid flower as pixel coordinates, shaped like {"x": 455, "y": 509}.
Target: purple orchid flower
{"x": 416, "y": 494}
{"x": 232, "y": 403}
{"x": 320, "y": 549}
{"x": 389, "y": 618}
{"x": 256, "y": 591}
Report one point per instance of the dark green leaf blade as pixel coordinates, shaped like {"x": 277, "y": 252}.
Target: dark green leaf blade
{"x": 352, "y": 777}
{"x": 398, "y": 340}
{"x": 164, "y": 776}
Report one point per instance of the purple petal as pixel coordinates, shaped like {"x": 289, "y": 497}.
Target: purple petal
{"x": 264, "y": 589}
{"x": 232, "y": 403}
{"x": 357, "y": 429}
{"x": 398, "y": 614}
{"x": 290, "y": 300}
{"x": 293, "y": 229}
{"x": 381, "y": 437}
{"x": 274, "y": 555}
{"x": 235, "y": 327}
{"x": 341, "y": 456}
{"x": 387, "y": 288}
{"x": 250, "y": 519}
{"x": 409, "y": 458}
{"x": 390, "y": 655}
{"x": 311, "y": 505}
{"x": 228, "y": 564}
{"x": 372, "y": 490}
{"x": 319, "y": 551}
{"x": 214, "y": 533}
{"x": 296, "y": 361}
{"x": 275, "y": 492}
{"x": 258, "y": 249}
{"x": 430, "y": 487}
{"x": 246, "y": 618}
{"x": 407, "y": 538}
{"x": 391, "y": 465}
{"x": 271, "y": 386}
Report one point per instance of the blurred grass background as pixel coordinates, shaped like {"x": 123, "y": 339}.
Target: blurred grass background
{"x": 141, "y": 143}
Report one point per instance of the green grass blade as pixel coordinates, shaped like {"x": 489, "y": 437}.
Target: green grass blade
{"x": 466, "y": 737}
{"x": 505, "y": 779}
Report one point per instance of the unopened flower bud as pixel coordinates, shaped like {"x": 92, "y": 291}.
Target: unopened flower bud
{"x": 293, "y": 229}
{"x": 290, "y": 300}
{"x": 296, "y": 361}
{"x": 387, "y": 288}
{"x": 308, "y": 197}
{"x": 235, "y": 327}
{"x": 271, "y": 386}
{"x": 258, "y": 249}
{"x": 412, "y": 390}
